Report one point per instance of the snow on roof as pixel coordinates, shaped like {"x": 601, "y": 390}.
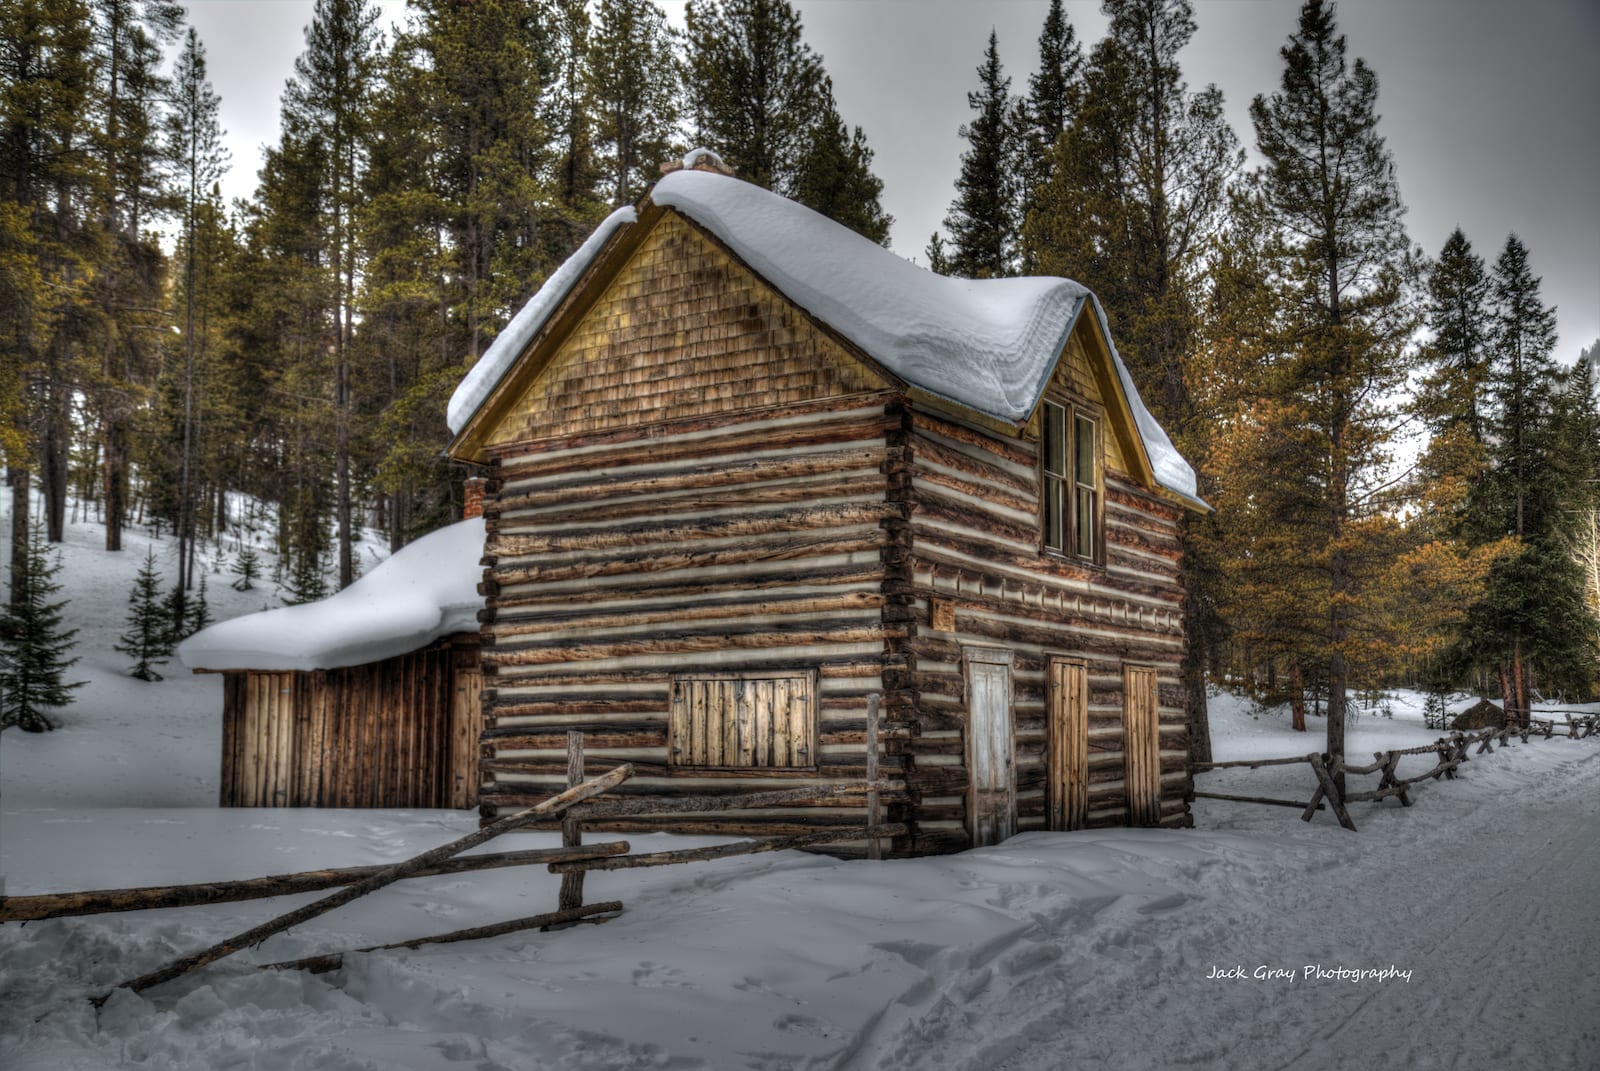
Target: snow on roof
{"x": 485, "y": 375}
{"x": 426, "y": 590}
{"x": 988, "y": 344}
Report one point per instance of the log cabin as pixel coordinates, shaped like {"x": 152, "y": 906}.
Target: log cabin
{"x": 368, "y": 698}
{"x": 746, "y": 468}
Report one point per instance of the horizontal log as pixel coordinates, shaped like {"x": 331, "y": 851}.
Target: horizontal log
{"x": 658, "y": 561}
{"x": 619, "y": 504}
{"x": 59, "y": 905}
{"x": 737, "y": 609}
{"x": 1298, "y": 805}
{"x": 724, "y": 851}
{"x": 1251, "y": 763}
{"x": 1013, "y": 450}
{"x": 332, "y": 961}
{"x": 689, "y": 642}
{"x": 721, "y": 475}
{"x": 737, "y": 435}
{"x": 842, "y": 795}
{"x": 671, "y": 530}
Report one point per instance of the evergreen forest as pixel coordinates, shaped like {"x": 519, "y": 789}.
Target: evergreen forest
{"x": 1405, "y": 475}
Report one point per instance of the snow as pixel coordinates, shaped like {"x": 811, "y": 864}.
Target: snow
{"x": 1088, "y": 949}
{"x": 427, "y": 590}
{"x": 482, "y": 378}
{"x": 987, "y": 344}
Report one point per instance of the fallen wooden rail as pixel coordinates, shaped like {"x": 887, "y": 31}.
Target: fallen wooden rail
{"x": 332, "y": 961}
{"x": 555, "y": 805}
{"x": 723, "y": 851}
{"x": 105, "y": 901}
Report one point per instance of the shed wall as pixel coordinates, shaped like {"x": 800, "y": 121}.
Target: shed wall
{"x": 396, "y": 733}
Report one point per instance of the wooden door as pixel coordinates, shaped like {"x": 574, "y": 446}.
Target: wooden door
{"x": 1141, "y": 715}
{"x": 991, "y": 763}
{"x": 466, "y": 726}
{"x": 1068, "y": 791}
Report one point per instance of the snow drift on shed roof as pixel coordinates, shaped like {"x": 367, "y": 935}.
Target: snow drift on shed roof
{"x": 428, "y": 589}
{"x": 987, "y": 344}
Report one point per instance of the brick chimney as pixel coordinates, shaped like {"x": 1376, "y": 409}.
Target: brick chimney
{"x": 472, "y": 498}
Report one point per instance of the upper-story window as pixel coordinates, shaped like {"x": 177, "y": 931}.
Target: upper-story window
{"x": 1070, "y": 453}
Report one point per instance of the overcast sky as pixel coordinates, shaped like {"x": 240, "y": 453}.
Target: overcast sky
{"x": 1492, "y": 107}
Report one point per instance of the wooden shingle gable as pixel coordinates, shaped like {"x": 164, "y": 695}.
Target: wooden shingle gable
{"x": 667, "y": 324}
{"x": 1085, "y": 370}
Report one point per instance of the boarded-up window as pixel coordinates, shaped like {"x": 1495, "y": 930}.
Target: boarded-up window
{"x": 743, "y": 719}
{"x": 1141, "y": 714}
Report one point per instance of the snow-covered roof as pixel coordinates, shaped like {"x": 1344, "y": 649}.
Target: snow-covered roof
{"x": 426, "y": 590}
{"x": 987, "y": 344}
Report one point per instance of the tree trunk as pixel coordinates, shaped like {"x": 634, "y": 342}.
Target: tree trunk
{"x": 1297, "y": 698}
{"x": 20, "y": 481}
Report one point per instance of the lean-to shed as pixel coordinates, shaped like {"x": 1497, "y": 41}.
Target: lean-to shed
{"x": 368, "y": 698}
{"x": 746, "y": 468}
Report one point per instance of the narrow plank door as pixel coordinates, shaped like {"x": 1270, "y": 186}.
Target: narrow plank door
{"x": 992, "y": 806}
{"x": 1068, "y": 793}
{"x": 1142, "y": 720}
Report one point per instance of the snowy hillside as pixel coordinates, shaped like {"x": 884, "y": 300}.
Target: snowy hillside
{"x": 1106, "y": 948}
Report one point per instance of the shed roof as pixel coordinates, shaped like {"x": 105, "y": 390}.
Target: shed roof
{"x": 988, "y": 345}
{"x": 425, "y": 590}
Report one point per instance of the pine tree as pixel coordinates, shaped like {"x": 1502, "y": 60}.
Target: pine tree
{"x": 1046, "y": 112}
{"x": 194, "y": 149}
{"x": 835, "y": 175}
{"x": 199, "y": 610}
{"x": 46, "y": 176}
{"x": 1341, "y": 271}
{"x": 34, "y": 642}
{"x": 328, "y": 100}
{"x": 1521, "y": 377}
{"x": 636, "y": 93}
{"x": 247, "y": 569}
{"x": 148, "y": 638}
{"x": 306, "y": 580}
{"x": 982, "y": 220}
{"x": 1450, "y": 399}
{"x": 753, "y": 86}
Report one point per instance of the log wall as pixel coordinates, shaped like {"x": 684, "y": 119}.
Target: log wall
{"x": 974, "y": 550}
{"x": 396, "y": 733}
{"x": 730, "y": 545}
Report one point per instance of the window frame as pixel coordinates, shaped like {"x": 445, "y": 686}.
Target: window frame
{"x": 1067, "y": 483}
{"x": 811, "y": 714}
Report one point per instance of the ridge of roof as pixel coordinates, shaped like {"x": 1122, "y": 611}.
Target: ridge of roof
{"x": 989, "y": 345}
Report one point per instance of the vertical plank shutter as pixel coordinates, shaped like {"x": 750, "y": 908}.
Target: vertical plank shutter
{"x": 739, "y": 720}
{"x": 1142, "y": 720}
{"x": 1069, "y": 743}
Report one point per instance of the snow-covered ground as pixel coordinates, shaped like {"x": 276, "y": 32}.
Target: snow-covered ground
{"x": 1106, "y": 948}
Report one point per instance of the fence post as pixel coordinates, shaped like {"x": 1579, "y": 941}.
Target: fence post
{"x": 874, "y": 846}
{"x": 571, "y": 828}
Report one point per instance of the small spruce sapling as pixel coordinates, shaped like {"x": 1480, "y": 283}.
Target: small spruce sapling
{"x": 247, "y": 569}
{"x": 199, "y": 610}
{"x": 148, "y": 638}
{"x": 34, "y": 643}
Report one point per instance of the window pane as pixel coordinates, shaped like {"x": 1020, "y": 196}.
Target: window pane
{"x": 1055, "y": 439}
{"x": 1083, "y": 523}
{"x": 1053, "y": 505}
{"x": 1084, "y": 447}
